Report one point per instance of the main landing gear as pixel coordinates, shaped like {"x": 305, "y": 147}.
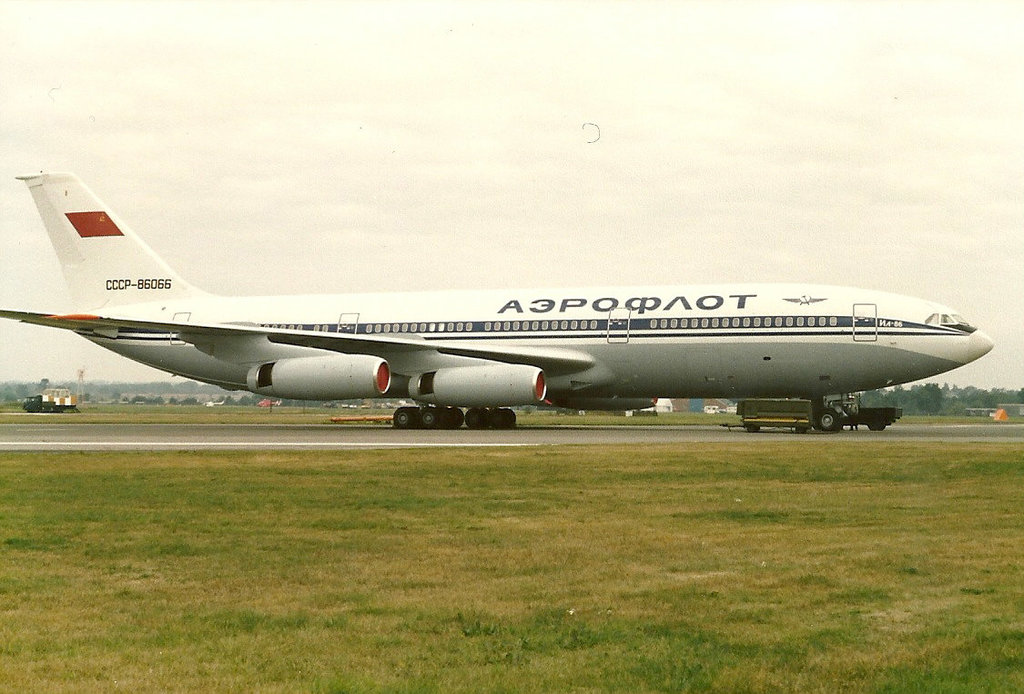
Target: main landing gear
{"x": 453, "y": 418}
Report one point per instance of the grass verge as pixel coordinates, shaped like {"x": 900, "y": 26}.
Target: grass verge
{"x": 721, "y": 567}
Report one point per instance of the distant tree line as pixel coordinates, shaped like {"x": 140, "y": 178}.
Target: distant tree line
{"x": 933, "y": 399}
{"x": 152, "y": 393}
{"x": 156, "y": 392}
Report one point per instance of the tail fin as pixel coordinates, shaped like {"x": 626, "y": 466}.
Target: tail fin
{"x": 104, "y": 262}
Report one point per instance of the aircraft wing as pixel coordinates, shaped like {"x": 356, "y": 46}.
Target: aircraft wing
{"x": 384, "y": 346}
{"x": 551, "y": 360}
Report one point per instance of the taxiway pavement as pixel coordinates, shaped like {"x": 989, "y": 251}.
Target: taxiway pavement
{"x": 150, "y": 437}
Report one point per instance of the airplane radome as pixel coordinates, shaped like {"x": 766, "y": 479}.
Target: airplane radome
{"x": 470, "y": 356}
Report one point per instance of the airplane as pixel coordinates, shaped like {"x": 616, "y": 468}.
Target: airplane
{"x": 468, "y": 357}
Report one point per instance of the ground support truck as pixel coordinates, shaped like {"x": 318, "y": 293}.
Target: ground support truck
{"x": 51, "y": 400}
{"x": 801, "y": 415}
{"x": 777, "y": 413}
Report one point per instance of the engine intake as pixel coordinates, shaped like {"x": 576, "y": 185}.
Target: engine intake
{"x": 481, "y": 386}
{"x": 334, "y": 377}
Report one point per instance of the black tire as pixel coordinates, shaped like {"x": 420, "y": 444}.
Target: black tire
{"x": 877, "y": 426}
{"x": 752, "y": 428}
{"x": 406, "y": 418}
{"x": 503, "y": 418}
{"x": 478, "y": 418}
{"x": 452, "y": 418}
{"x": 830, "y": 420}
{"x": 430, "y": 417}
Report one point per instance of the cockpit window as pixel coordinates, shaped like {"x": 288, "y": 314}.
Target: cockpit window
{"x": 950, "y": 320}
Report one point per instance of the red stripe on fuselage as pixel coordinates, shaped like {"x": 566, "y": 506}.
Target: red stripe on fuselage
{"x": 92, "y": 224}
{"x": 75, "y": 316}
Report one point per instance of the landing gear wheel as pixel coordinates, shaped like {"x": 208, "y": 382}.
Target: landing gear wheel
{"x": 478, "y": 418}
{"x": 503, "y": 418}
{"x": 430, "y": 417}
{"x": 829, "y": 420}
{"x": 451, "y": 418}
{"x": 406, "y": 418}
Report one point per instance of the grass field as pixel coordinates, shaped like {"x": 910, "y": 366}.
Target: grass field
{"x": 728, "y": 567}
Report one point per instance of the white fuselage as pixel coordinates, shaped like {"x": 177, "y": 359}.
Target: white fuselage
{"x": 669, "y": 341}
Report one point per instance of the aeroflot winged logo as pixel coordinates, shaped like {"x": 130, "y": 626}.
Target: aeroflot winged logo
{"x": 93, "y": 224}
{"x": 804, "y": 300}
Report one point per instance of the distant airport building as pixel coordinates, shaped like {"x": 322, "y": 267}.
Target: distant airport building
{"x": 705, "y": 405}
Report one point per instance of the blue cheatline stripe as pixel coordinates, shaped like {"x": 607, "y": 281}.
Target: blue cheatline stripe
{"x": 598, "y": 328}
{"x": 636, "y": 327}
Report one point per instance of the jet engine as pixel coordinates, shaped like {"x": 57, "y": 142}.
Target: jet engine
{"x": 333, "y": 377}
{"x": 609, "y": 404}
{"x": 481, "y": 386}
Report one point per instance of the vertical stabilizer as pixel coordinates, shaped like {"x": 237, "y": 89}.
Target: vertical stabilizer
{"x": 104, "y": 262}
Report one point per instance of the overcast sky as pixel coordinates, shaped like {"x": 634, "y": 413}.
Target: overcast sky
{"x": 288, "y": 147}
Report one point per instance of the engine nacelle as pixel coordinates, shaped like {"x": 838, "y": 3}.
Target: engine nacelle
{"x": 332, "y": 377}
{"x": 481, "y": 386}
{"x": 606, "y": 404}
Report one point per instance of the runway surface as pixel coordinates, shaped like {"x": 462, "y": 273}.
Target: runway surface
{"x": 151, "y": 437}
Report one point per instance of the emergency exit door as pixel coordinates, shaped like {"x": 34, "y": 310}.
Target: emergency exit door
{"x": 865, "y": 323}
{"x": 618, "y": 325}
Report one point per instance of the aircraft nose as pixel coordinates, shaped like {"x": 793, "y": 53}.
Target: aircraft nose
{"x": 978, "y": 345}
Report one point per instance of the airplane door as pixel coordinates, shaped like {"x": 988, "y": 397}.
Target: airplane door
{"x": 865, "y": 323}
{"x": 348, "y": 323}
{"x": 618, "y": 325}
